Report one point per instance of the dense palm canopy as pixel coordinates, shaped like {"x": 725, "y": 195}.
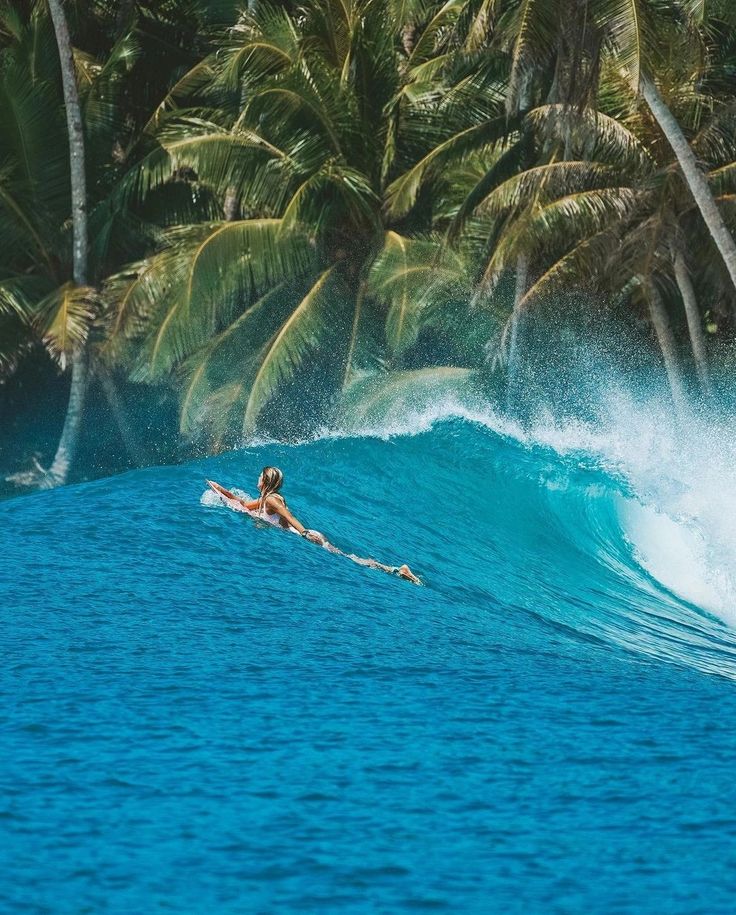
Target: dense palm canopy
{"x": 309, "y": 116}
{"x": 296, "y": 205}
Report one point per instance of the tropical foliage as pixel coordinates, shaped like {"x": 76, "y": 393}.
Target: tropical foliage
{"x": 296, "y": 208}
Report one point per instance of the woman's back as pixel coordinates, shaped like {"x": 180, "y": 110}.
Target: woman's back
{"x": 271, "y": 516}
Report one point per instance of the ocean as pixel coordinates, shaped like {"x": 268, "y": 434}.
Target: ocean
{"x": 202, "y": 713}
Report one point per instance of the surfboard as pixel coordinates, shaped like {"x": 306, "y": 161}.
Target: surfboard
{"x": 229, "y": 498}
{"x": 234, "y": 502}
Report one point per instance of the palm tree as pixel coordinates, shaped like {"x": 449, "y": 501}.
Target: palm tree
{"x": 578, "y": 202}
{"x": 695, "y": 28}
{"x": 34, "y": 195}
{"x": 624, "y": 31}
{"x": 70, "y": 433}
{"x": 46, "y": 277}
{"x": 238, "y": 305}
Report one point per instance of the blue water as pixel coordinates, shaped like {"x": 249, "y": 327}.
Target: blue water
{"x": 201, "y": 714}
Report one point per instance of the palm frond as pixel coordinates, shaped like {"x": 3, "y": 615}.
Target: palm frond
{"x": 534, "y": 30}
{"x": 218, "y": 158}
{"x": 284, "y": 353}
{"x": 402, "y": 193}
{"x": 230, "y": 358}
{"x": 623, "y": 21}
{"x": 426, "y": 44}
{"x": 357, "y": 200}
{"x": 64, "y": 319}
{"x": 408, "y": 277}
{"x": 599, "y": 137}
{"x": 553, "y": 228}
{"x": 188, "y": 292}
{"x": 385, "y": 399}
{"x": 547, "y": 182}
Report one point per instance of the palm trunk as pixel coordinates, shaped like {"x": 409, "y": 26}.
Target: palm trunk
{"x": 522, "y": 281}
{"x": 694, "y": 177}
{"x": 694, "y": 324}
{"x": 231, "y": 204}
{"x": 408, "y": 38}
{"x": 67, "y": 447}
{"x": 124, "y": 17}
{"x": 666, "y": 340}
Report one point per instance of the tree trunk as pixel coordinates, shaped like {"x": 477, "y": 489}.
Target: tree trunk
{"x": 408, "y": 38}
{"x": 231, "y": 204}
{"x": 694, "y": 177}
{"x": 522, "y": 281}
{"x": 124, "y": 17}
{"x": 694, "y": 324}
{"x": 70, "y": 435}
{"x": 67, "y": 447}
{"x": 666, "y": 340}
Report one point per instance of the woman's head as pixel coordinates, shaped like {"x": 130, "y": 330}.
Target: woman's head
{"x": 270, "y": 481}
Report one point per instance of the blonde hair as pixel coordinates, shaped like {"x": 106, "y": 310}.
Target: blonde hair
{"x": 272, "y": 480}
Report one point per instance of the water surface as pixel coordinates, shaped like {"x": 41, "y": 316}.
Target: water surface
{"x": 203, "y": 714}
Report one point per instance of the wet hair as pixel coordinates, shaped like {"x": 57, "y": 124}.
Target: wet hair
{"x": 272, "y": 480}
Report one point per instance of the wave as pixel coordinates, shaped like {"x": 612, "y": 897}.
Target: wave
{"x": 616, "y": 530}
{"x": 627, "y": 531}
{"x": 680, "y": 476}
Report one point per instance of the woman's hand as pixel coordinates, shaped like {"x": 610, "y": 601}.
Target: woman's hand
{"x": 315, "y": 537}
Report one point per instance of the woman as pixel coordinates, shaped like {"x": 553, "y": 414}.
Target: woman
{"x": 271, "y": 506}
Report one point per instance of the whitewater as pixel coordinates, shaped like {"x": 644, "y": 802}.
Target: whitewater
{"x": 204, "y": 713}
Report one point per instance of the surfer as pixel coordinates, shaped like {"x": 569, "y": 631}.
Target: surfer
{"x": 272, "y": 507}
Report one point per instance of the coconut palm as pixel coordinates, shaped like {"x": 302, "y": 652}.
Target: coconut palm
{"x": 47, "y": 272}
{"x": 536, "y": 186}
{"x": 70, "y": 433}
{"x": 278, "y": 121}
{"x": 618, "y": 211}
{"x": 632, "y": 36}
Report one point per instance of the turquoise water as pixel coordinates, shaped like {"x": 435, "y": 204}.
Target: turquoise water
{"x": 203, "y": 714}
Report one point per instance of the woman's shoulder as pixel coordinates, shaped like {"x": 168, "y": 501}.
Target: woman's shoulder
{"x": 275, "y": 498}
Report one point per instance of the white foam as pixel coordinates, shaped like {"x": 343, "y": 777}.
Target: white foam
{"x": 677, "y": 554}
{"x": 682, "y": 472}
{"x": 210, "y": 498}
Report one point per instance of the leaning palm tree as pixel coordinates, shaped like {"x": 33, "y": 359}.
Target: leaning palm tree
{"x": 695, "y": 34}
{"x": 540, "y": 187}
{"x": 632, "y": 36}
{"x": 615, "y": 214}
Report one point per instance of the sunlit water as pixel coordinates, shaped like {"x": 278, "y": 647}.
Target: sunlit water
{"x": 204, "y": 714}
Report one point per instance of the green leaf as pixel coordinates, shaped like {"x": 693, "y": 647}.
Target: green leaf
{"x": 230, "y": 358}
{"x": 410, "y": 276}
{"x": 402, "y": 193}
{"x": 301, "y": 333}
{"x": 64, "y": 319}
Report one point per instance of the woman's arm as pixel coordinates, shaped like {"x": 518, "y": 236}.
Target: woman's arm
{"x": 250, "y": 506}
{"x": 278, "y": 506}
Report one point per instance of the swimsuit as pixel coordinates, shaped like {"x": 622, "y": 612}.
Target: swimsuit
{"x": 273, "y": 517}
